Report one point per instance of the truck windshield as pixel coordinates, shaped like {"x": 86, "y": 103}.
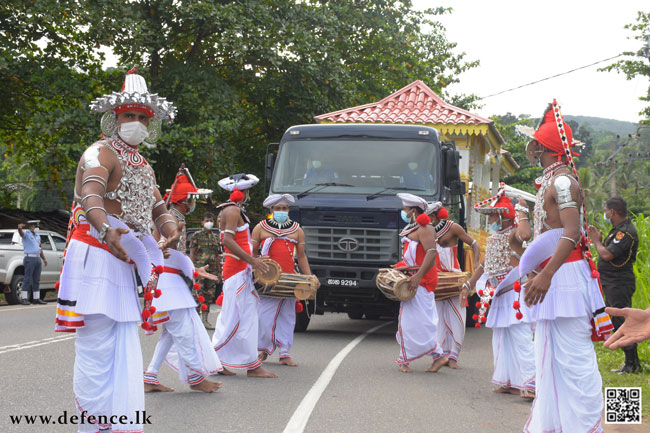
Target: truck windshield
{"x": 371, "y": 166}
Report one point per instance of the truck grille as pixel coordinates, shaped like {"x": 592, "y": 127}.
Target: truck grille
{"x": 351, "y": 244}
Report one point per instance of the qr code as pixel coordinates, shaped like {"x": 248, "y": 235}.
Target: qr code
{"x": 623, "y": 405}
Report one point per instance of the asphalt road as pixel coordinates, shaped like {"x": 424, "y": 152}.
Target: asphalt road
{"x": 366, "y": 392}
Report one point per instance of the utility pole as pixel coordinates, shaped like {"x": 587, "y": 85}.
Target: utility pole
{"x": 612, "y": 179}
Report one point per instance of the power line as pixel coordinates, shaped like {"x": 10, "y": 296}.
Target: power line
{"x": 548, "y": 78}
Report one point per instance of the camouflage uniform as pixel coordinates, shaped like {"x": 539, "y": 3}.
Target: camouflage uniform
{"x": 208, "y": 250}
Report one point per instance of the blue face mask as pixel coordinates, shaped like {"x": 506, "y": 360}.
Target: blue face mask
{"x": 495, "y": 227}
{"x": 405, "y": 217}
{"x": 607, "y": 220}
{"x": 280, "y": 216}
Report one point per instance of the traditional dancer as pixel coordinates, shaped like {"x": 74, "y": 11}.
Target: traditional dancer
{"x": 417, "y": 332}
{"x": 565, "y": 295}
{"x": 115, "y": 199}
{"x": 512, "y": 340}
{"x": 235, "y": 336}
{"x": 278, "y": 238}
{"x": 451, "y": 312}
{"x": 184, "y": 343}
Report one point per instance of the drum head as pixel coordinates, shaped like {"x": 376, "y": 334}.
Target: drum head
{"x": 302, "y": 291}
{"x": 402, "y": 290}
{"x": 272, "y": 276}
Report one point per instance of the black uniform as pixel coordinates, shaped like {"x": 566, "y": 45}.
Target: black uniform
{"x": 617, "y": 275}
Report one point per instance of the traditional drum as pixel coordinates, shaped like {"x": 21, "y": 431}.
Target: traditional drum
{"x": 297, "y": 286}
{"x": 394, "y": 284}
{"x": 450, "y": 284}
{"x": 271, "y": 276}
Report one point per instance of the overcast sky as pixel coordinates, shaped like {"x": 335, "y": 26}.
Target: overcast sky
{"x": 522, "y": 41}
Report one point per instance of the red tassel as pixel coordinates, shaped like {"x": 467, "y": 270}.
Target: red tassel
{"x": 519, "y": 316}
{"x": 475, "y": 317}
{"x": 478, "y": 305}
{"x": 486, "y": 305}
{"x": 146, "y": 326}
{"x": 160, "y": 269}
{"x": 204, "y": 307}
{"x": 195, "y": 274}
{"x": 516, "y": 286}
{"x": 201, "y": 299}
{"x": 154, "y": 328}
{"x": 148, "y": 296}
{"x": 595, "y": 274}
{"x": 146, "y": 314}
{"x": 237, "y": 196}
{"x": 219, "y": 300}
{"x": 516, "y": 305}
{"x": 57, "y": 285}
{"x": 197, "y": 287}
{"x": 483, "y": 319}
{"x": 299, "y": 307}
{"x": 157, "y": 293}
{"x": 491, "y": 292}
{"x": 480, "y": 292}
{"x": 423, "y": 219}
{"x": 442, "y": 213}
{"x": 477, "y": 325}
{"x": 152, "y": 309}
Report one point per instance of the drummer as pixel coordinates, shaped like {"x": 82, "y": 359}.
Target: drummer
{"x": 417, "y": 332}
{"x": 512, "y": 340}
{"x": 279, "y": 238}
{"x": 235, "y": 334}
{"x": 451, "y": 311}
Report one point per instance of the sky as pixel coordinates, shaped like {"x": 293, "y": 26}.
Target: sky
{"x": 518, "y": 42}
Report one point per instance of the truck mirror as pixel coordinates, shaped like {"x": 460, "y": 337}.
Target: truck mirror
{"x": 451, "y": 159}
{"x": 270, "y": 163}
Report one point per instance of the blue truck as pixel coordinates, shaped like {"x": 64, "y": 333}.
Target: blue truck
{"x": 345, "y": 178}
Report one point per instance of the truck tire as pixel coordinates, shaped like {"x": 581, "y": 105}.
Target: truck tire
{"x": 302, "y": 320}
{"x": 355, "y": 313}
{"x": 16, "y": 286}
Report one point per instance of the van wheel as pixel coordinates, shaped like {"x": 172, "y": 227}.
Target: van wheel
{"x": 16, "y": 287}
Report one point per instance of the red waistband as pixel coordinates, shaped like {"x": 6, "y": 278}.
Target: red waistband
{"x": 81, "y": 233}
{"x": 575, "y": 256}
{"x": 172, "y": 270}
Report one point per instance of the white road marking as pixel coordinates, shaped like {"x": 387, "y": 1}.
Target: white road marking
{"x": 30, "y": 344}
{"x": 26, "y": 308}
{"x": 300, "y": 417}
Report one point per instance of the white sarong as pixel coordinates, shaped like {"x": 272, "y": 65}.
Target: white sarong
{"x": 451, "y": 329}
{"x": 514, "y": 357}
{"x": 235, "y": 335}
{"x": 569, "y": 394}
{"x": 186, "y": 347}
{"x": 107, "y": 369}
{"x": 277, "y": 322}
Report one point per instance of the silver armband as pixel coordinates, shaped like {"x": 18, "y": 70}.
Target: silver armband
{"x": 570, "y": 204}
{"x": 95, "y": 207}
{"x": 473, "y": 243}
{"x": 102, "y": 232}
{"x": 162, "y": 215}
{"x": 431, "y": 249}
{"x": 575, "y": 242}
{"x": 524, "y": 219}
{"x": 173, "y": 221}
{"x": 92, "y": 195}
{"x": 521, "y": 208}
{"x": 93, "y": 178}
{"x": 160, "y": 203}
{"x": 562, "y": 186}
{"x": 229, "y": 231}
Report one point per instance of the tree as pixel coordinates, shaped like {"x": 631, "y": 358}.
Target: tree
{"x": 640, "y": 65}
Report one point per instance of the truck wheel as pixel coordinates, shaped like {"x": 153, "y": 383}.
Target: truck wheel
{"x": 355, "y": 314}
{"x": 16, "y": 286}
{"x": 373, "y": 316}
{"x": 302, "y": 320}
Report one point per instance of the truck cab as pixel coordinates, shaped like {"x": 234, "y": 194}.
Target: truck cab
{"x": 345, "y": 178}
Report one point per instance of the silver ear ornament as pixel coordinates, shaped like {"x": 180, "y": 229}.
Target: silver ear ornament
{"x": 108, "y": 124}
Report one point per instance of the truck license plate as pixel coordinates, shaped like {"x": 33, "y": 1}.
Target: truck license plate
{"x": 342, "y": 282}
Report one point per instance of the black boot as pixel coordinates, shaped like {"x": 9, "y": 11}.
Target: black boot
{"x": 631, "y": 360}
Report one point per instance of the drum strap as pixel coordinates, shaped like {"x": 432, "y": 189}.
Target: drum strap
{"x": 501, "y": 292}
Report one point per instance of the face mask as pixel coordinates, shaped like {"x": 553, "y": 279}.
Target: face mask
{"x": 495, "y": 227}
{"x": 208, "y": 225}
{"x": 405, "y": 217}
{"x": 133, "y": 133}
{"x": 413, "y": 165}
{"x": 607, "y": 220}
{"x": 280, "y": 216}
{"x": 316, "y": 164}
{"x": 36, "y": 230}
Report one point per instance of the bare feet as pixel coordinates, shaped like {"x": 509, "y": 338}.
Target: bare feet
{"x": 527, "y": 393}
{"x": 262, "y": 356}
{"x": 226, "y": 372}
{"x": 261, "y": 372}
{"x": 437, "y": 364}
{"x": 288, "y": 361}
{"x": 206, "y": 386}
{"x": 501, "y": 390}
{"x": 150, "y": 387}
{"x": 453, "y": 364}
{"x": 404, "y": 368}
{"x": 514, "y": 391}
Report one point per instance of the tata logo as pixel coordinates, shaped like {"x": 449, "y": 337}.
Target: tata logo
{"x": 348, "y": 244}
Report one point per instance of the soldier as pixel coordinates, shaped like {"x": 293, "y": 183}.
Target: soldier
{"x": 205, "y": 249}
{"x": 616, "y": 257}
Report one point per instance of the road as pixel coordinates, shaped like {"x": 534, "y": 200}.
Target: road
{"x": 366, "y": 391}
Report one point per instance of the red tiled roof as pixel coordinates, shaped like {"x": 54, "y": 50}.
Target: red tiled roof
{"x": 414, "y": 104}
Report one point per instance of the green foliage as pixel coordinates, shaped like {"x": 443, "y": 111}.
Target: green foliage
{"x": 524, "y": 177}
{"x": 639, "y": 66}
{"x": 240, "y": 73}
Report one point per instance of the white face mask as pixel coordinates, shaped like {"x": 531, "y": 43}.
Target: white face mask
{"x": 208, "y": 225}
{"x": 413, "y": 165}
{"x": 316, "y": 164}
{"x": 36, "y": 230}
{"x": 133, "y": 133}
